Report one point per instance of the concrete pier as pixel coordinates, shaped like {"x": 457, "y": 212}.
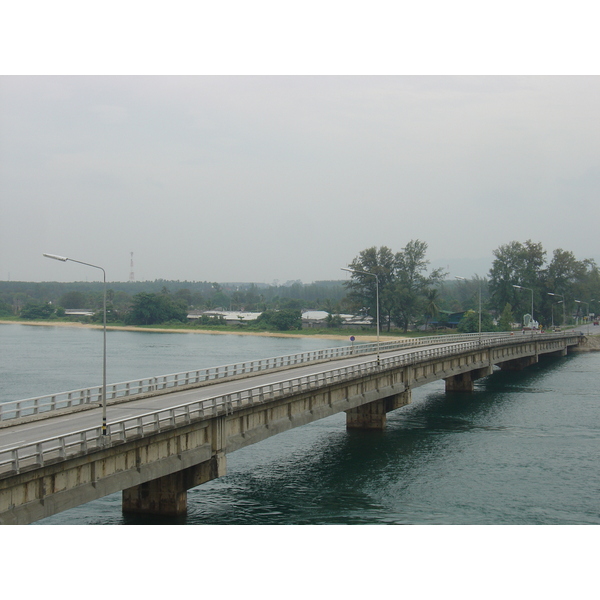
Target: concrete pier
{"x": 463, "y": 382}
{"x": 373, "y": 415}
{"x": 167, "y": 495}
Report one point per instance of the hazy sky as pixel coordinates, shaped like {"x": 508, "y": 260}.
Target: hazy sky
{"x": 263, "y": 178}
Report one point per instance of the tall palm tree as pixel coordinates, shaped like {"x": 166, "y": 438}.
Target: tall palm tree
{"x": 431, "y": 307}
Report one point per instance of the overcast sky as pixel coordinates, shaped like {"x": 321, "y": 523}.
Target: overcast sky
{"x": 262, "y": 178}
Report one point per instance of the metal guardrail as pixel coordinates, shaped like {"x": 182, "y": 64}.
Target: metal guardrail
{"x": 50, "y": 402}
{"x": 37, "y": 454}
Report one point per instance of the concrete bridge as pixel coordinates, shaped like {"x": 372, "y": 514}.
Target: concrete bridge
{"x": 169, "y": 434}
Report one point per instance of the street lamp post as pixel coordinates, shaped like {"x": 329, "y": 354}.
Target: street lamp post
{"x": 64, "y": 259}
{"x": 563, "y": 303}
{"x": 377, "y": 300}
{"x": 587, "y": 310}
{"x": 463, "y": 279}
{"x": 520, "y": 287}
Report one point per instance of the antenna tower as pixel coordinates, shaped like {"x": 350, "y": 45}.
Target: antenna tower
{"x": 131, "y": 275}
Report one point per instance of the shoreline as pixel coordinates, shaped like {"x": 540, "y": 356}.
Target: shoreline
{"x": 322, "y": 336}
{"x": 595, "y": 344}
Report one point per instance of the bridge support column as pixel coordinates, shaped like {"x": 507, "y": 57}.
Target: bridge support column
{"x": 464, "y": 381}
{"x": 167, "y": 496}
{"x": 373, "y": 414}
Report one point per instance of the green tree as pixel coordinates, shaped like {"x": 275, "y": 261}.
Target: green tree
{"x": 37, "y": 310}
{"x": 412, "y": 282}
{"x": 212, "y": 320}
{"x": 432, "y": 310}
{"x": 112, "y": 315}
{"x": 470, "y": 322}
{"x": 185, "y": 296}
{"x": 506, "y": 319}
{"x": 291, "y": 304}
{"x": 403, "y": 282}
{"x": 565, "y": 271}
{"x": 569, "y": 278}
{"x": 5, "y": 309}
{"x": 73, "y": 299}
{"x": 282, "y": 320}
{"x": 148, "y": 309}
{"x": 517, "y": 264}
{"x": 219, "y": 298}
{"x": 334, "y": 321}
{"x": 363, "y": 284}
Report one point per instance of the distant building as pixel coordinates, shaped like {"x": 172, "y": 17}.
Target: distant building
{"x": 318, "y": 318}
{"x": 446, "y": 319}
{"x": 314, "y": 319}
{"x": 231, "y": 317}
{"x": 79, "y": 312}
{"x": 357, "y": 321}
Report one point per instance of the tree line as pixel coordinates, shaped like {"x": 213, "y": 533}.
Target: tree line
{"x": 163, "y": 301}
{"x": 522, "y": 276}
{"x": 410, "y": 294}
{"x": 521, "y": 280}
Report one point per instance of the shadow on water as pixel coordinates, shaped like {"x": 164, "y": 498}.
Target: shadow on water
{"x": 153, "y": 520}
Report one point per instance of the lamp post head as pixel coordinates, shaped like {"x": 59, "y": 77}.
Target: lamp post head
{"x": 56, "y": 257}
{"x": 356, "y": 271}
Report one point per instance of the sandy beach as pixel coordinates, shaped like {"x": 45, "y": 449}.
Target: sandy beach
{"x": 365, "y": 338}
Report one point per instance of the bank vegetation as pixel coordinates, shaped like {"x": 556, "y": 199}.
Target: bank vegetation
{"x": 560, "y": 289}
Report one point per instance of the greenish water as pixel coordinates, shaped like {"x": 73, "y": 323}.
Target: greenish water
{"x": 521, "y": 449}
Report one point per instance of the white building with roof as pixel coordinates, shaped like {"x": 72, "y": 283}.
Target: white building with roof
{"x": 231, "y": 317}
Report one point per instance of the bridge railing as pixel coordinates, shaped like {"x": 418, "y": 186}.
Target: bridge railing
{"x": 50, "y": 402}
{"x": 15, "y": 459}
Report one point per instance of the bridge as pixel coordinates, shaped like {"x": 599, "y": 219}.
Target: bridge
{"x": 168, "y": 434}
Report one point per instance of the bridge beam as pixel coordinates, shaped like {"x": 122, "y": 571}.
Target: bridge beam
{"x": 518, "y": 364}
{"x": 373, "y": 414}
{"x": 167, "y": 496}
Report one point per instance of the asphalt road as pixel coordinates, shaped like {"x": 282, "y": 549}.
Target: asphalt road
{"x": 28, "y": 433}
